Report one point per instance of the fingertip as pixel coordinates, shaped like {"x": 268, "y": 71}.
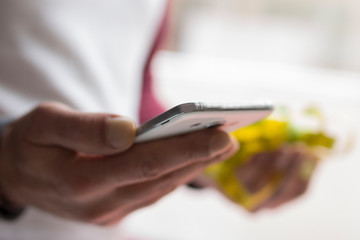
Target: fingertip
{"x": 235, "y": 142}
{"x": 120, "y": 132}
{"x": 219, "y": 142}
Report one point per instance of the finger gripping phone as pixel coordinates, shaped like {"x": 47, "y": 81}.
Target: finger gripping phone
{"x": 189, "y": 117}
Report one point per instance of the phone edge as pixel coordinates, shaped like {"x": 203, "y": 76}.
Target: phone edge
{"x": 167, "y": 116}
{"x": 198, "y": 107}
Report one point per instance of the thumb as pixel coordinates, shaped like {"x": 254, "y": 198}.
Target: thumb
{"x": 90, "y": 133}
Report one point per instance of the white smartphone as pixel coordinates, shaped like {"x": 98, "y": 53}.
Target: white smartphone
{"x": 189, "y": 117}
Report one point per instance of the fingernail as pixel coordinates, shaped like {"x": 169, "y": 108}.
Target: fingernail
{"x": 120, "y": 132}
{"x": 220, "y": 142}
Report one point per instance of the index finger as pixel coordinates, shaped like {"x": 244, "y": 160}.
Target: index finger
{"x": 151, "y": 160}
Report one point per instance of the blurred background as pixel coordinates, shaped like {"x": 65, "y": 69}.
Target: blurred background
{"x": 319, "y": 33}
{"x": 294, "y": 52}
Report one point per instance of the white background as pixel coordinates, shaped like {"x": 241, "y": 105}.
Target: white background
{"x": 329, "y": 210}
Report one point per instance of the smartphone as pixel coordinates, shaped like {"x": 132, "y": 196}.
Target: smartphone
{"x": 189, "y": 117}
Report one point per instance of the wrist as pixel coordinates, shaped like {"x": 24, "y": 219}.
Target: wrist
{"x": 8, "y": 209}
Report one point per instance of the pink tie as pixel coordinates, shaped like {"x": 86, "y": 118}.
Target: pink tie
{"x": 150, "y": 106}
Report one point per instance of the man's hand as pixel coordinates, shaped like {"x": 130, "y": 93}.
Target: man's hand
{"x": 85, "y": 167}
{"x": 292, "y": 165}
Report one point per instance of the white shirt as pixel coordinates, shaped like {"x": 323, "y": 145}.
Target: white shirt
{"x": 89, "y": 54}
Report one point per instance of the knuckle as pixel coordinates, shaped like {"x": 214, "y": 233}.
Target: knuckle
{"x": 150, "y": 168}
{"x": 197, "y": 151}
{"x": 36, "y": 117}
{"x": 44, "y": 106}
{"x": 196, "y": 146}
{"x": 46, "y": 110}
{"x": 43, "y": 109}
{"x": 78, "y": 189}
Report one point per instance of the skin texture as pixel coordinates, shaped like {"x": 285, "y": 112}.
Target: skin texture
{"x": 84, "y": 166}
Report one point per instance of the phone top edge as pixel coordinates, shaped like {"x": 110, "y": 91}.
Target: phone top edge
{"x": 249, "y": 105}
{"x": 167, "y": 115}
{"x": 203, "y": 107}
